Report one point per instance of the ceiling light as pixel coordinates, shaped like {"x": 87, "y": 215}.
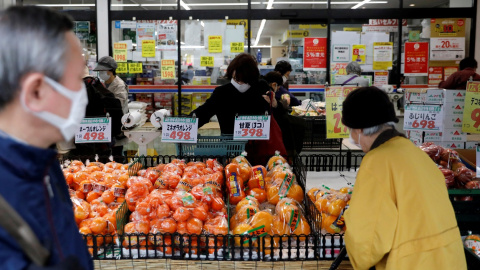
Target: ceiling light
{"x": 185, "y": 6}
{"x": 270, "y": 4}
{"x": 412, "y": 5}
{"x": 158, "y": 5}
{"x": 66, "y": 5}
{"x": 203, "y": 25}
{"x": 125, "y": 5}
{"x": 360, "y": 4}
{"x": 219, "y": 4}
{"x": 259, "y": 33}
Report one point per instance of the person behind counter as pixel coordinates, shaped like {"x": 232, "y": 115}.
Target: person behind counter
{"x": 400, "y": 215}
{"x": 458, "y": 80}
{"x": 353, "y": 76}
{"x": 284, "y": 68}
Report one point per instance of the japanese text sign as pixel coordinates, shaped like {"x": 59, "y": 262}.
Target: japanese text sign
{"x": 359, "y": 52}
{"x": 168, "y": 69}
{"x": 148, "y": 48}
{"x": 180, "y": 130}
{"x": 94, "y": 130}
{"x": 252, "y": 127}
{"x": 416, "y": 58}
{"x": 236, "y": 47}
{"x": 423, "y": 117}
{"x": 341, "y": 53}
{"x": 315, "y": 53}
{"x": 471, "y": 112}
{"x": 122, "y": 68}
{"x": 382, "y": 55}
{"x": 435, "y": 75}
{"x": 215, "y": 44}
{"x": 444, "y": 49}
{"x": 335, "y": 96}
{"x": 135, "y": 68}
{"x": 206, "y": 61}
{"x": 120, "y": 52}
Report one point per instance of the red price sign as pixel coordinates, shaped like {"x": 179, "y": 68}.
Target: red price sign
{"x": 180, "y": 135}
{"x": 424, "y": 124}
{"x": 252, "y": 132}
{"x": 338, "y": 123}
{"x": 94, "y": 130}
{"x": 252, "y": 127}
{"x": 94, "y": 136}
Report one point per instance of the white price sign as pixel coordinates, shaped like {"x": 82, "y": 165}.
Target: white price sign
{"x": 447, "y": 48}
{"x": 341, "y": 53}
{"x": 94, "y": 130}
{"x": 423, "y": 117}
{"x": 252, "y": 127}
{"x": 180, "y": 130}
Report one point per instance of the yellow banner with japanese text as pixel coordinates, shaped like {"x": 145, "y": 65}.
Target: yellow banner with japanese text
{"x": 335, "y": 95}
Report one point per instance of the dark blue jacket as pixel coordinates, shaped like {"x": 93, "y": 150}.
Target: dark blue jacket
{"x": 293, "y": 100}
{"x": 23, "y": 170}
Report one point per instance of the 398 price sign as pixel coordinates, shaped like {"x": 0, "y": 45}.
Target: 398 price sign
{"x": 94, "y": 130}
{"x": 252, "y": 127}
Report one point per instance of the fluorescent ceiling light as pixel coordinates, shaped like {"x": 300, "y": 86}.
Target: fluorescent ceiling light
{"x": 185, "y": 6}
{"x": 270, "y": 4}
{"x": 158, "y": 5}
{"x": 412, "y": 5}
{"x": 360, "y": 4}
{"x": 259, "y": 33}
{"x": 66, "y": 5}
{"x": 220, "y": 4}
{"x": 125, "y": 5}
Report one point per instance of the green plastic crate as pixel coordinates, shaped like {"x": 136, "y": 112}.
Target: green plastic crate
{"x": 212, "y": 146}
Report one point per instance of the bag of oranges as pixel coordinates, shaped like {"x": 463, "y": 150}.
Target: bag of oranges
{"x": 282, "y": 184}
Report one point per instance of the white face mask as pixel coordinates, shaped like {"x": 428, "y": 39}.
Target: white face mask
{"x": 350, "y": 139}
{"x": 67, "y": 126}
{"x": 284, "y": 79}
{"x": 242, "y": 88}
{"x": 103, "y": 75}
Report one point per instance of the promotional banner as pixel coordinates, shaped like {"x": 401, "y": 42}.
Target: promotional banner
{"x": 381, "y": 78}
{"x": 382, "y": 25}
{"x": 237, "y": 47}
{"x": 168, "y": 69}
{"x": 315, "y": 54}
{"x": 435, "y": 75}
{"x": 122, "y": 68}
{"x": 471, "y": 112}
{"x": 215, "y": 44}
{"x": 167, "y": 34}
{"x": 206, "y": 61}
{"x": 382, "y": 55}
{"x": 120, "y": 52}
{"x": 359, "y": 52}
{"x": 145, "y": 31}
{"x": 335, "y": 95}
{"x": 148, "y": 48}
{"x": 416, "y": 59}
{"x": 135, "y": 68}
{"x": 337, "y": 69}
{"x": 447, "y": 39}
{"x": 447, "y": 71}
{"x": 341, "y": 53}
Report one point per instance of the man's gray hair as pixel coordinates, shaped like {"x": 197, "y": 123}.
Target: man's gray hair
{"x": 353, "y": 67}
{"x": 372, "y": 130}
{"x": 32, "y": 40}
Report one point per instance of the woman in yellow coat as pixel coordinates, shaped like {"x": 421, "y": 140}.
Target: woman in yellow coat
{"x": 400, "y": 216}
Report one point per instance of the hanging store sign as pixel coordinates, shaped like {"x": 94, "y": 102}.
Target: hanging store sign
{"x": 423, "y": 117}
{"x": 252, "y": 127}
{"x": 471, "y": 112}
{"x": 416, "y": 59}
{"x": 180, "y": 130}
{"x": 94, "y": 130}
{"x": 335, "y": 95}
{"x": 315, "y": 54}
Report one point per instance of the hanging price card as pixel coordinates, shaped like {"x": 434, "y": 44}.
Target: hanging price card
{"x": 94, "y": 130}
{"x": 122, "y": 68}
{"x": 423, "y": 117}
{"x": 148, "y": 48}
{"x": 215, "y": 44}
{"x": 120, "y": 52}
{"x": 180, "y": 130}
{"x": 135, "y": 68}
{"x": 471, "y": 112}
{"x": 252, "y": 127}
{"x": 168, "y": 69}
{"x": 334, "y": 99}
{"x": 206, "y": 61}
{"x": 236, "y": 47}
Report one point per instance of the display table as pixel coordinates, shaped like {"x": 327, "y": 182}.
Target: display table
{"x": 333, "y": 180}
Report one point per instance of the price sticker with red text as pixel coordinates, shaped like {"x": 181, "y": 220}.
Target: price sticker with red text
{"x": 94, "y": 130}
{"x": 180, "y": 130}
{"x": 252, "y": 127}
{"x": 471, "y": 111}
{"x": 423, "y": 117}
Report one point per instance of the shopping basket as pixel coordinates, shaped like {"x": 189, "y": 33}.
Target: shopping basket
{"x": 315, "y": 137}
{"x": 212, "y": 146}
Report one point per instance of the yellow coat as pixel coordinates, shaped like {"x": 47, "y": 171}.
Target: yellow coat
{"x": 400, "y": 216}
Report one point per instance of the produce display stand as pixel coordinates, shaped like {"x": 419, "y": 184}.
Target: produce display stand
{"x": 466, "y": 212}
{"x": 212, "y": 145}
{"x": 315, "y": 137}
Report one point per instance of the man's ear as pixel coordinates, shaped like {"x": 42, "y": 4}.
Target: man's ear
{"x": 33, "y": 91}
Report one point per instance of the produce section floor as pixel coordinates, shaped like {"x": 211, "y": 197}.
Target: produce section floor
{"x": 210, "y": 265}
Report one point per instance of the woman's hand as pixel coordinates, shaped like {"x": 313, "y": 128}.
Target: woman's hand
{"x": 273, "y": 102}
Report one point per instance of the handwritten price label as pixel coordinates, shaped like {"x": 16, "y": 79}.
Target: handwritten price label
{"x": 135, "y": 68}
{"x": 236, "y": 47}
{"x": 122, "y": 68}
{"x": 120, "y": 52}
{"x": 168, "y": 69}
{"x": 423, "y": 117}
{"x": 180, "y": 130}
{"x": 252, "y": 127}
{"x": 206, "y": 61}
{"x": 94, "y": 130}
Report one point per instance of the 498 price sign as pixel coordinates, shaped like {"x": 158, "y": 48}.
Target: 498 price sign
{"x": 252, "y": 127}
{"x": 94, "y": 130}
{"x": 423, "y": 117}
{"x": 180, "y": 130}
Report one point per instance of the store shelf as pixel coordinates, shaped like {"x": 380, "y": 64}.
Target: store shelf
{"x": 133, "y": 89}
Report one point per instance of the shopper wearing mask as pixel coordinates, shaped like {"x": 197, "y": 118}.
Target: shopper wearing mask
{"x": 42, "y": 102}
{"x": 400, "y": 215}
{"x": 283, "y": 93}
{"x": 106, "y": 68}
{"x": 353, "y": 76}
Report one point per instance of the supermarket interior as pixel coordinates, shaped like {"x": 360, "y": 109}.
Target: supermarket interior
{"x": 182, "y": 194}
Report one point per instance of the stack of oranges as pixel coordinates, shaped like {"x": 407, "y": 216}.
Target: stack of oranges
{"x": 331, "y": 204}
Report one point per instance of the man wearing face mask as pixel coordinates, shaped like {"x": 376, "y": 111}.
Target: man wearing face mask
{"x": 284, "y": 68}
{"x": 410, "y": 223}
{"x": 106, "y": 68}
{"x": 42, "y": 102}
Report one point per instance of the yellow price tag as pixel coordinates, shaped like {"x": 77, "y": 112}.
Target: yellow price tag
{"x": 236, "y": 47}
{"x": 206, "y": 61}
{"x": 215, "y": 44}
{"x": 148, "y": 48}
{"x": 135, "y": 68}
{"x": 471, "y": 111}
{"x": 168, "y": 69}
{"x": 335, "y": 96}
{"x": 122, "y": 68}
{"x": 120, "y": 52}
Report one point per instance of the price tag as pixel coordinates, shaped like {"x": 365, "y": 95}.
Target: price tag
{"x": 215, "y": 44}
{"x": 148, "y": 48}
{"x": 423, "y": 117}
{"x": 168, "y": 69}
{"x": 135, "y": 68}
{"x": 180, "y": 130}
{"x": 236, "y": 47}
{"x": 471, "y": 112}
{"x": 333, "y": 108}
{"x": 94, "y": 130}
{"x": 206, "y": 61}
{"x": 120, "y": 52}
{"x": 122, "y": 68}
{"x": 252, "y": 127}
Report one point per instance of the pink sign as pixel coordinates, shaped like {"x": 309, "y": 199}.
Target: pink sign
{"x": 315, "y": 54}
{"x": 416, "y": 58}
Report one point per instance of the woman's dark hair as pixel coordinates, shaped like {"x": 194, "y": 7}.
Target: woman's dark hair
{"x": 274, "y": 77}
{"x": 283, "y": 67}
{"x": 245, "y": 68}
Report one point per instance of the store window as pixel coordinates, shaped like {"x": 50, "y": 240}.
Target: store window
{"x": 143, "y": 5}
{"x": 294, "y": 4}
{"x": 432, "y": 49}
{"x": 62, "y": 5}
{"x": 364, "y": 4}
{"x": 372, "y": 44}
{"x": 438, "y": 4}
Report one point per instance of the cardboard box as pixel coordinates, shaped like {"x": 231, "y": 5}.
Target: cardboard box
{"x": 454, "y": 108}
{"x": 452, "y": 145}
{"x": 452, "y": 121}
{"x": 454, "y": 135}
{"x": 469, "y": 157}
{"x": 455, "y": 96}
